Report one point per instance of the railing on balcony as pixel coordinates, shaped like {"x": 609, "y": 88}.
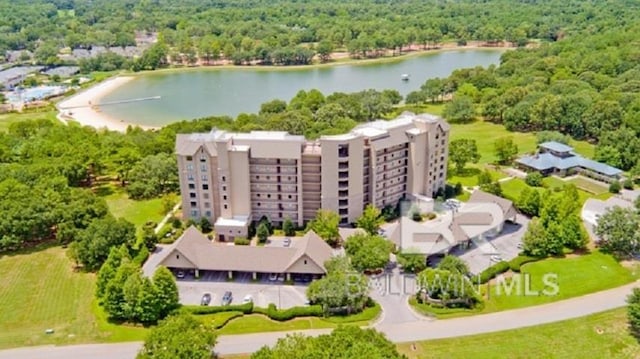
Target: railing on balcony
{"x": 343, "y": 184}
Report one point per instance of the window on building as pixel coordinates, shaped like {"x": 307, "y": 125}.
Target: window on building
{"x": 225, "y": 206}
{"x": 224, "y": 178}
{"x": 268, "y": 196}
{"x": 205, "y": 195}
{"x": 224, "y": 197}
{"x": 207, "y": 205}
{"x": 192, "y": 186}
{"x": 192, "y": 195}
{"x": 258, "y": 204}
{"x": 258, "y": 195}
{"x": 207, "y": 213}
{"x": 289, "y": 196}
{"x": 224, "y": 188}
{"x": 190, "y": 176}
{"x": 205, "y": 186}
{"x": 442, "y": 142}
{"x": 189, "y": 158}
{"x": 177, "y": 256}
{"x": 205, "y": 178}
{"x": 194, "y": 204}
{"x": 289, "y": 178}
{"x": 203, "y": 167}
{"x": 305, "y": 261}
{"x": 189, "y": 167}
{"x": 203, "y": 159}
{"x": 268, "y": 177}
{"x": 194, "y": 213}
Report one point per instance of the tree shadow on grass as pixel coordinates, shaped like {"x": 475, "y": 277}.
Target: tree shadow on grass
{"x": 103, "y": 190}
{"x": 467, "y": 172}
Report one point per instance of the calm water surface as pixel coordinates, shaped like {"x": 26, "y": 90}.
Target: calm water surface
{"x": 207, "y": 92}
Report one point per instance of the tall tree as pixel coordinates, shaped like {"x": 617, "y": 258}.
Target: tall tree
{"x": 370, "y": 220}
{"x": 94, "y": 243}
{"x": 462, "y": 151}
{"x": 618, "y": 231}
{"x": 167, "y": 291}
{"x": 505, "y": 149}
{"x": 459, "y": 110}
{"x": 179, "y": 337}
{"x": 325, "y": 225}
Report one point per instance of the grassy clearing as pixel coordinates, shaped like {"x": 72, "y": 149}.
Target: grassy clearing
{"x": 468, "y": 177}
{"x": 589, "y": 186}
{"x": 134, "y": 211}
{"x": 40, "y": 290}
{"x": 7, "y": 119}
{"x": 576, "y": 276}
{"x": 512, "y": 189}
{"x": 485, "y": 134}
{"x": 256, "y": 323}
{"x": 602, "y": 335}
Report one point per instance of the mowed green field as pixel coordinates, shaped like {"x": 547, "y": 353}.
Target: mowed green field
{"x": 7, "y": 119}
{"x": 137, "y": 212}
{"x": 574, "y": 276}
{"x": 41, "y": 291}
{"x": 602, "y": 335}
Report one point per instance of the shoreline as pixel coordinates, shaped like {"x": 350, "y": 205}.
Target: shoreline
{"x": 82, "y": 107}
{"x": 338, "y": 59}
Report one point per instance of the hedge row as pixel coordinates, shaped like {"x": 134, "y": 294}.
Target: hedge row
{"x": 518, "y": 261}
{"x": 203, "y": 309}
{"x": 286, "y": 314}
{"x": 493, "y": 271}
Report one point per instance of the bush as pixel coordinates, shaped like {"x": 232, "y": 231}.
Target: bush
{"x": 627, "y": 184}
{"x": 518, "y": 261}
{"x": 416, "y": 216}
{"x": 203, "y": 309}
{"x": 241, "y": 241}
{"x": 229, "y": 317}
{"x": 533, "y": 179}
{"x": 175, "y": 222}
{"x": 287, "y": 314}
{"x": 493, "y": 271}
{"x": 615, "y": 187}
{"x": 429, "y": 216}
{"x": 142, "y": 256}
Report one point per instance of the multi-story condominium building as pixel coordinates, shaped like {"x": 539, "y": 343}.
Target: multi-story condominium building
{"x": 235, "y": 178}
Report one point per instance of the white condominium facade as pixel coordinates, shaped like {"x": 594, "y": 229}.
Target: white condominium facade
{"x": 235, "y": 178}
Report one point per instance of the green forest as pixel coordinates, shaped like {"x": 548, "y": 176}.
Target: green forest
{"x": 285, "y": 32}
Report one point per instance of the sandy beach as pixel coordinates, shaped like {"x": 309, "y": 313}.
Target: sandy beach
{"x": 82, "y": 108}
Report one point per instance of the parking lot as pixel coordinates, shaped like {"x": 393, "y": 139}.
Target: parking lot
{"x": 283, "y": 296}
{"x": 503, "y": 247}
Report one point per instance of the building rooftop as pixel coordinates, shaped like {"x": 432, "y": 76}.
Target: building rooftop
{"x": 556, "y": 146}
{"x": 546, "y": 161}
{"x": 205, "y": 255}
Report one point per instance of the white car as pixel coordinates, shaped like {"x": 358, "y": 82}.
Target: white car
{"x": 273, "y": 277}
{"x": 247, "y": 299}
{"x": 496, "y": 258}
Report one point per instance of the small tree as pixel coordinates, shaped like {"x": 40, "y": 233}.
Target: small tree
{"x": 288, "y": 227}
{"x": 505, "y": 150}
{"x": 617, "y": 230}
{"x": 412, "y": 261}
{"x": 179, "y": 337}
{"x": 167, "y": 291}
{"x": 633, "y": 312}
{"x": 368, "y": 252}
{"x": 453, "y": 264}
{"x": 262, "y": 232}
{"x": 325, "y": 225}
{"x": 370, "y": 220}
{"x": 205, "y": 225}
{"x": 533, "y": 179}
{"x": 614, "y": 187}
{"x": 149, "y": 237}
{"x": 462, "y": 151}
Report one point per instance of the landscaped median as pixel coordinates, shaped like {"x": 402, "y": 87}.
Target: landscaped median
{"x": 245, "y": 318}
{"x": 527, "y": 282}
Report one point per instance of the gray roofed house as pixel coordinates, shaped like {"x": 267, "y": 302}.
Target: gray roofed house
{"x": 193, "y": 250}
{"x": 482, "y": 217}
{"x": 559, "y": 159}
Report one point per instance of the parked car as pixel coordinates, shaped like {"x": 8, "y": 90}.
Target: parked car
{"x": 273, "y": 277}
{"x": 227, "y": 298}
{"x": 496, "y": 258}
{"x": 180, "y": 274}
{"x": 247, "y": 299}
{"x": 287, "y": 242}
{"x": 206, "y": 299}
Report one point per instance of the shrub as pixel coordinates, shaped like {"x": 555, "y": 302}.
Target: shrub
{"x": 493, "y": 271}
{"x": 416, "y": 216}
{"x": 533, "y": 179}
{"x": 142, "y": 256}
{"x": 175, "y": 222}
{"x": 223, "y": 321}
{"x": 202, "y": 309}
{"x": 287, "y": 314}
{"x": 627, "y": 184}
{"x": 614, "y": 187}
{"x": 518, "y": 261}
{"x": 430, "y": 216}
{"x": 241, "y": 241}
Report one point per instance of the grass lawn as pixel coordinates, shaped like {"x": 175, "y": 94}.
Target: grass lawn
{"x": 485, "y": 134}
{"x": 39, "y": 291}
{"x": 602, "y": 335}
{"x": 589, "y": 186}
{"x": 134, "y": 211}
{"x": 576, "y": 276}
{"x": 468, "y": 177}
{"x": 512, "y": 189}
{"x": 114, "y": 333}
{"x": 256, "y": 323}
{"x": 7, "y": 119}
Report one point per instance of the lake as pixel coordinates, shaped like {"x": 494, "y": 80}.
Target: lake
{"x": 230, "y": 91}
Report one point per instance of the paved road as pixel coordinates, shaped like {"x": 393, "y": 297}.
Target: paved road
{"x": 398, "y": 332}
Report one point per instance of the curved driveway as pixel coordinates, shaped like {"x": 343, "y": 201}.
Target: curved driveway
{"x": 400, "y": 332}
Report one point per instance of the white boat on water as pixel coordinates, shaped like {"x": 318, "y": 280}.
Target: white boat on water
{"x": 405, "y": 77}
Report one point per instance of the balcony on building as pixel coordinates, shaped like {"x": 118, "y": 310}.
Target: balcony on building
{"x": 343, "y": 184}
{"x": 343, "y": 151}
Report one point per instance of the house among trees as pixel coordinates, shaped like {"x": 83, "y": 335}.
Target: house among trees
{"x": 554, "y": 158}
{"x": 481, "y": 218}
